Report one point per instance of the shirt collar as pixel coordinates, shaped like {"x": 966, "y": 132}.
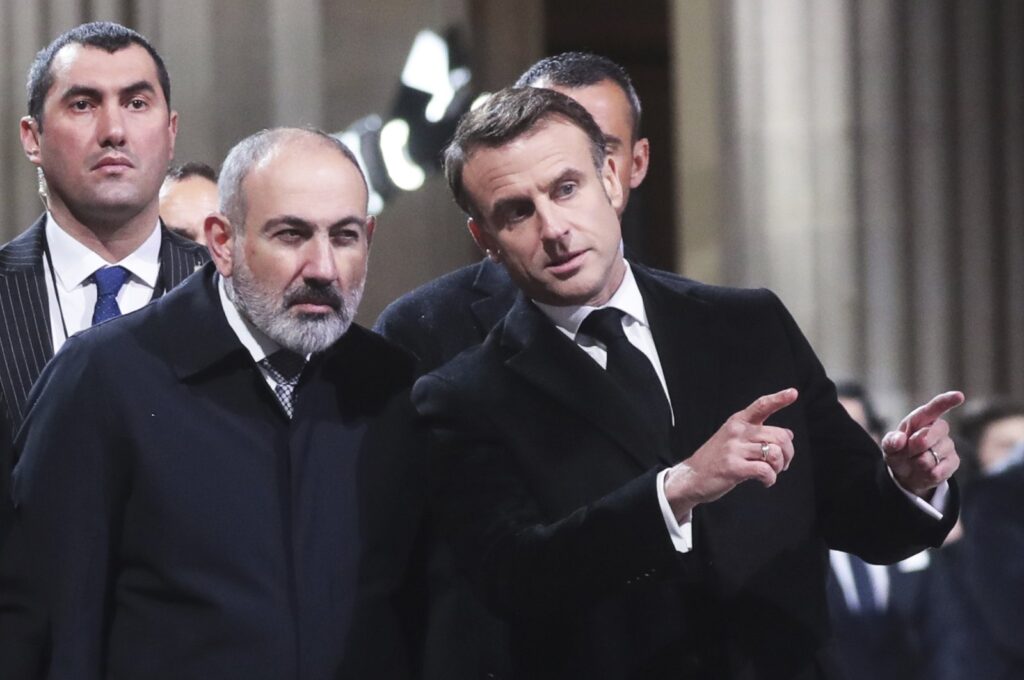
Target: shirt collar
{"x": 73, "y": 262}
{"x": 253, "y": 339}
{"x": 626, "y": 298}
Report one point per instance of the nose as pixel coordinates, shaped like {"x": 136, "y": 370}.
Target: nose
{"x": 319, "y": 265}
{"x": 111, "y": 125}
{"x": 553, "y": 226}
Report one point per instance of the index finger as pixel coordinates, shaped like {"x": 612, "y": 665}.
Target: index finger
{"x": 922, "y": 416}
{"x": 763, "y": 407}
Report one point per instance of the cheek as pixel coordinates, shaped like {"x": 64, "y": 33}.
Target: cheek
{"x": 273, "y": 268}
{"x": 351, "y": 267}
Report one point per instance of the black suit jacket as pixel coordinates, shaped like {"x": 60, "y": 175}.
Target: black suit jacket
{"x": 885, "y": 644}
{"x": 549, "y": 495}
{"x": 171, "y": 522}
{"x": 436, "y": 322}
{"x": 449, "y": 314}
{"x": 26, "y": 341}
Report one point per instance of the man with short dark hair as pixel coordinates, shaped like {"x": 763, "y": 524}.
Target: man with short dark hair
{"x": 595, "y": 452}
{"x": 445, "y": 316}
{"x": 187, "y": 196}
{"x": 101, "y": 132}
{"x": 225, "y": 484}
{"x": 454, "y": 312}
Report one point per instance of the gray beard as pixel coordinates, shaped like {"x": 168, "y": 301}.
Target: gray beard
{"x": 269, "y": 312}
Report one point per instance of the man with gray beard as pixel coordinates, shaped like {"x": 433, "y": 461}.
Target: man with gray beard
{"x": 208, "y": 487}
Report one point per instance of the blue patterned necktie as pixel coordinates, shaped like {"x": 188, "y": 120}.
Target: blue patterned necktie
{"x": 108, "y": 283}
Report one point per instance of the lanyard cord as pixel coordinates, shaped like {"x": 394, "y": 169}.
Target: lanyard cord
{"x": 56, "y": 288}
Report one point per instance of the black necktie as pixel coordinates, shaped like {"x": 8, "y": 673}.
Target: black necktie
{"x": 285, "y": 367}
{"x": 629, "y": 367}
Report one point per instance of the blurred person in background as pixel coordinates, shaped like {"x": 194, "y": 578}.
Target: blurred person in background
{"x": 875, "y": 609}
{"x": 990, "y": 568}
{"x": 187, "y": 196}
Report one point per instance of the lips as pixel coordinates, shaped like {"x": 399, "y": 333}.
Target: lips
{"x": 567, "y": 264}
{"x": 113, "y": 162}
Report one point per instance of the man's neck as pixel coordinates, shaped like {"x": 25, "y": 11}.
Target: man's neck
{"x": 110, "y": 239}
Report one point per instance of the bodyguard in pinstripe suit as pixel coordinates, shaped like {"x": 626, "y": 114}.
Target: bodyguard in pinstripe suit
{"x": 101, "y": 133}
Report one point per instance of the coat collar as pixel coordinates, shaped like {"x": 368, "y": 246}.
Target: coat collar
{"x": 206, "y": 339}
{"x": 498, "y": 291}
{"x": 685, "y": 335}
{"x": 688, "y": 338}
{"x": 364, "y": 365}
{"x": 554, "y": 364}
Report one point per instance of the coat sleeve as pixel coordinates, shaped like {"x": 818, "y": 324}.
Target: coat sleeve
{"x": 860, "y": 507}
{"x": 55, "y": 571}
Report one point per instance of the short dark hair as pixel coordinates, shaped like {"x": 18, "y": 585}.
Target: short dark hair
{"x": 506, "y": 116}
{"x": 850, "y": 389}
{"x": 104, "y": 35}
{"x": 977, "y": 418}
{"x": 582, "y": 69}
{"x": 181, "y": 172}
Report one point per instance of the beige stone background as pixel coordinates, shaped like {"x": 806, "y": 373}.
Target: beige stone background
{"x": 863, "y": 158}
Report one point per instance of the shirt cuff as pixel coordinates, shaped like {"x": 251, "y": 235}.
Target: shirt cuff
{"x": 933, "y": 508}
{"x": 681, "y": 534}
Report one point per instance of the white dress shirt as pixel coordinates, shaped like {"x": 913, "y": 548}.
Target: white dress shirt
{"x": 74, "y": 297}
{"x": 878, "y": 575}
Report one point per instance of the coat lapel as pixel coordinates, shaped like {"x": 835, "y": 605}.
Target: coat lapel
{"x": 686, "y": 337}
{"x": 26, "y": 342}
{"x": 555, "y": 365}
{"x": 179, "y": 257}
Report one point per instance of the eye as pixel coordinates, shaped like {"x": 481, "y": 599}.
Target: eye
{"x": 288, "y": 236}
{"x": 138, "y": 104}
{"x": 513, "y": 213}
{"x": 81, "y": 105}
{"x": 345, "y": 237}
{"x": 565, "y": 189}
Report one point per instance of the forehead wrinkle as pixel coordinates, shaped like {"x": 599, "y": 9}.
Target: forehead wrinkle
{"x": 508, "y": 169}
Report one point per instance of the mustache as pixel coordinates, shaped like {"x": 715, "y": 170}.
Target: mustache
{"x": 313, "y": 295}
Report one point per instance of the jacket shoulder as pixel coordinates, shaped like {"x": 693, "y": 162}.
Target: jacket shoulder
{"x": 25, "y": 249}
{"x": 435, "y": 299}
{"x": 724, "y": 297}
{"x": 196, "y": 252}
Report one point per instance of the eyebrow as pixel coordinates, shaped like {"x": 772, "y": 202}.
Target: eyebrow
{"x": 296, "y": 221}
{"x": 93, "y": 93}
{"x": 504, "y": 203}
{"x": 611, "y": 141}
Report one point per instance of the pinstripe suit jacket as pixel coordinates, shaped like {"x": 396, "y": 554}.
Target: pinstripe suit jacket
{"x": 26, "y": 343}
